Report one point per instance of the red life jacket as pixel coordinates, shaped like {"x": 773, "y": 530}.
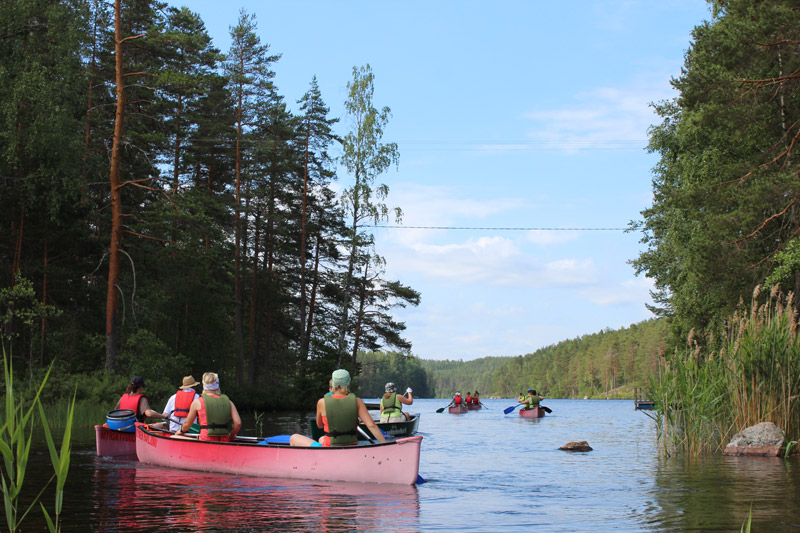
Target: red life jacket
{"x": 183, "y": 401}
{"x": 475, "y": 400}
{"x": 468, "y": 400}
{"x": 457, "y": 400}
{"x": 131, "y": 401}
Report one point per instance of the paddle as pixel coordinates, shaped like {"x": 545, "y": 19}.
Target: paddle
{"x": 370, "y": 439}
{"x": 546, "y": 409}
{"x": 509, "y": 409}
{"x": 441, "y": 409}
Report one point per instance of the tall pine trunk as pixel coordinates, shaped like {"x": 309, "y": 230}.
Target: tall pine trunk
{"x": 112, "y": 296}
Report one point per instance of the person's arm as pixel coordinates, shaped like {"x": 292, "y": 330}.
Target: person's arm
{"x": 408, "y": 399}
{"x": 320, "y": 413}
{"x": 187, "y": 424}
{"x": 144, "y": 405}
{"x": 237, "y": 422}
{"x": 363, "y": 414}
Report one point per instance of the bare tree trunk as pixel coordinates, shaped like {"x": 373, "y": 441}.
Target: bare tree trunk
{"x": 302, "y": 308}
{"x": 312, "y": 303}
{"x": 112, "y": 342}
{"x": 43, "y": 326}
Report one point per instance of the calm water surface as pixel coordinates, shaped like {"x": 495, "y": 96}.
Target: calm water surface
{"x": 485, "y": 471}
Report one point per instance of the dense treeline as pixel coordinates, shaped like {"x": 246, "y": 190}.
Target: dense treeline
{"x": 379, "y": 368}
{"x": 164, "y": 212}
{"x": 725, "y": 216}
{"x": 608, "y": 364}
{"x": 724, "y": 223}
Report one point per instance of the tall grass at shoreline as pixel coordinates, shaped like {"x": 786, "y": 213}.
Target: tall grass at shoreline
{"x": 703, "y": 398}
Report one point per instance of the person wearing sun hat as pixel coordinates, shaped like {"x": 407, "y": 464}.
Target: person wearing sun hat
{"x": 338, "y": 414}
{"x": 179, "y": 403}
{"x": 392, "y": 404}
{"x": 135, "y": 400}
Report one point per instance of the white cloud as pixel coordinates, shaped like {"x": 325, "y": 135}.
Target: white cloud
{"x": 633, "y": 290}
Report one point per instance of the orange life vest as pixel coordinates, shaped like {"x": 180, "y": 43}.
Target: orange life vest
{"x": 183, "y": 401}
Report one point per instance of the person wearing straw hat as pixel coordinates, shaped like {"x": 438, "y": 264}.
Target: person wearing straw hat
{"x": 338, "y": 414}
{"x": 135, "y": 400}
{"x": 392, "y": 404}
{"x": 179, "y": 403}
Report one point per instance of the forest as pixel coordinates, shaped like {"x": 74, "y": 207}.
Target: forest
{"x": 165, "y": 213}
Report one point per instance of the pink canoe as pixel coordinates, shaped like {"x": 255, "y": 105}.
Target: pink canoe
{"x": 536, "y": 412}
{"x": 113, "y": 443}
{"x": 457, "y": 409}
{"x": 394, "y": 462}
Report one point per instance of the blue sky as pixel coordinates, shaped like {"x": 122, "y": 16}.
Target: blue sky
{"x": 508, "y": 114}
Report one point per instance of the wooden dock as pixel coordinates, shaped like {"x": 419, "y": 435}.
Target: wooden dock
{"x": 642, "y": 403}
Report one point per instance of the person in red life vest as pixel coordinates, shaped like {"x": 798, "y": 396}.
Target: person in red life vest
{"x": 468, "y": 398}
{"x": 219, "y": 420}
{"x": 338, "y": 414}
{"x": 476, "y": 400}
{"x": 135, "y": 400}
{"x": 457, "y": 400}
{"x": 178, "y": 405}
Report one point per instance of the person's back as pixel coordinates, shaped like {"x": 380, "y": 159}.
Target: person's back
{"x": 341, "y": 419}
{"x": 532, "y": 400}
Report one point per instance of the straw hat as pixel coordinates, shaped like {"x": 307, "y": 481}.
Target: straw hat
{"x": 189, "y": 382}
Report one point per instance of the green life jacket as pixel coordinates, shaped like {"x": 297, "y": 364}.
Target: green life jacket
{"x": 531, "y": 401}
{"x": 342, "y": 415}
{"x": 218, "y": 415}
{"x": 391, "y": 405}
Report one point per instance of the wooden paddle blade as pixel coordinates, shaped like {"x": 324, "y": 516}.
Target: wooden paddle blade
{"x": 441, "y": 409}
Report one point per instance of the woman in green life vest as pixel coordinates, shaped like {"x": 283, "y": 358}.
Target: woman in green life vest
{"x": 218, "y": 417}
{"x": 338, "y": 414}
{"x": 392, "y": 404}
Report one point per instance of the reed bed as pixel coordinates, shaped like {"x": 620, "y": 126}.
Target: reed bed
{"x": 704, "y": 397}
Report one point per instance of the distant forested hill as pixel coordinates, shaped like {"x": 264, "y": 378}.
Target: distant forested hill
{"x": 609, "y": 363}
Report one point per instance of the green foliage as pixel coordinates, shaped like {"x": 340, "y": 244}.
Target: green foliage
{"x": 704, "y": 397}
{"x": 724, "y": 215}
{"x": 378, "y": 368}
{"x": 16, "y": 436}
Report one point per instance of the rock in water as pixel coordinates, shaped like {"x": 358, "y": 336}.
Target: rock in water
{"x": 576, "y": 446}
{"x": 764, "y": 440}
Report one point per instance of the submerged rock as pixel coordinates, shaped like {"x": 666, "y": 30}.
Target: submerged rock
{"x": 763, "y": 440}
{"x": 576, "y": 446}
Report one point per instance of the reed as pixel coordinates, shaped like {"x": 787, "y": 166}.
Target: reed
{"x": 85, "y": 414}
{"x": 16, "y": 437}
{"x": 703, "y": 398}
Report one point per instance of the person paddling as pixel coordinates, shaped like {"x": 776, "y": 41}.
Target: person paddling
{"x": 135, "y": 400}
{"x": 392, "y": 404}
{"x": 338, "y": 414}
{"x": 532, "y": 400}
{"x": 178, "y": 405}
{"x": 456, "y": 400}
{"x": 218, "y": 417}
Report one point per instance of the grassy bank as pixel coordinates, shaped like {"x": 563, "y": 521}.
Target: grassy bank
{"x": 704, "y": 397}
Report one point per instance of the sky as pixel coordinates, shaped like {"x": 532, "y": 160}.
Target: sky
{"x": 521, "y": 114}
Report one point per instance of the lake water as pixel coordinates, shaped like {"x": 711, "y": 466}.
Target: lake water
{"x": 484, "y": 471}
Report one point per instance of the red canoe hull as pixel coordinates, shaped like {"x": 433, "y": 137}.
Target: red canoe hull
{"x": 457, "y": 409}
{"x": 474, "y": 406}
{"x": 113, "y": 443}
{"x": 536, "y": 412}
{"x": 394, "y": 462}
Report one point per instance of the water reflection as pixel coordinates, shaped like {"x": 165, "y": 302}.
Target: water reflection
{"x": 138, "y": 497}
{"x": 716, "y": 493}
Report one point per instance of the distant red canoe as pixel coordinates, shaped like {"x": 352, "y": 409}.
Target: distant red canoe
{"x": 474, "y": 406}
{"x": 394, "y": 462}
{"x": 536, "y": 412}
{"x": 457, "y": 409}
{"x": 113, "y": 443}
